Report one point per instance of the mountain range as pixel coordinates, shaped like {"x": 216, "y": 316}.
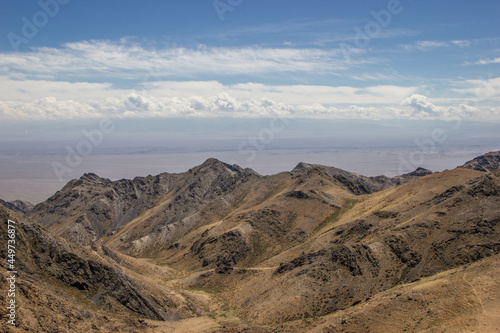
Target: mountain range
{"x": 220, "y": 248}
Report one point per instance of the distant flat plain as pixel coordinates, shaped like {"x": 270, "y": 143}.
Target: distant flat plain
{"x": 32, "y": 178}
{"x": 149, "y": 147}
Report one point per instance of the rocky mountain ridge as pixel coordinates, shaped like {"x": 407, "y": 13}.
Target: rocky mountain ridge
{"x": 485, "y": 163}
{"x": 228, "y": 250}
{"x": 92, "y": 207}
{"x": 358, "y": 184}
{"x": 19, "y": 206}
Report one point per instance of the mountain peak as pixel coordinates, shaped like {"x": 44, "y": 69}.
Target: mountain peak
{"x": 300, "y": 167}
{"x": 418, "y": 172}
{"x": 215, "y": 164}
{"x": 484, "y": 163}
{"x": 92, "y": 178}
{"x": 211, "y": 161}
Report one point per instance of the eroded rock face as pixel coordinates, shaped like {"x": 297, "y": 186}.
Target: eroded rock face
{"x": 335, "y": 258}
{"x": 91, "y": 208}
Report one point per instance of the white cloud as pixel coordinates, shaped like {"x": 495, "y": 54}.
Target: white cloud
{"x": 461, "y": 43}
{"x": 135, "y": 105}
{"x": 137, "y": 102}
{"x": 223, "y": 104}
{"x": 424, "y": 45}
{"x": 290, "y": 94}
{"x": 29, "y": 90}
{"x": 104, "y": 59}
{"x": 485, "y": 90}
{"x": 485, "y": 62}
{"x": 47, "y": 108}
{"x": 467, "y": 110}
{"x": 430, "y": 44}
{"x": 376, "y": 77}
{"x": 41, "y": 84}
{"x": 421, "y": 106}
{"x": 65, "y": 100}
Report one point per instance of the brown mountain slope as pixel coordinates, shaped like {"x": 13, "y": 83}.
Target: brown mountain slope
{"x": 464, "y": 299}
{"x": 65, "y": 288}
{"x": 150, "y": 213}
{"x": 374, "y": 252}
{"x": 358, "y": 184}
{"x": 317, "y": 248}
{"x": 275, "y": 214}
{"x": 293, "y": 206}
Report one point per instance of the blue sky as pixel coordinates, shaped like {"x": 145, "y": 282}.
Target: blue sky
{"x": 362, "y": 85}
{"x": 409, "y": 59}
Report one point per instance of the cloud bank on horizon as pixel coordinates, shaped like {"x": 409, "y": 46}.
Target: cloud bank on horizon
{"x": 379, "y": 60}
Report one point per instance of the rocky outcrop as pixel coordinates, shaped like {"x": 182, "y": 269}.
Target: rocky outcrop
{"x": 485, "y": 163}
